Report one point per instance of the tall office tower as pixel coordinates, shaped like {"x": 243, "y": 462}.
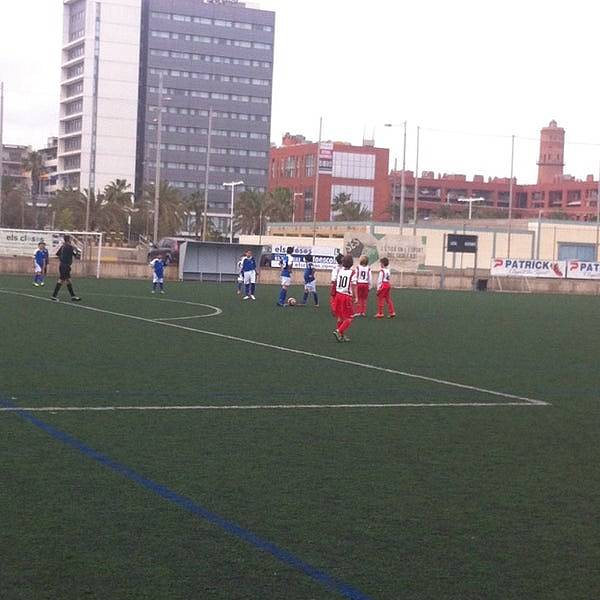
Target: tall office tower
{"x": 212, "y": 56}
{"x": 99, "y": 92}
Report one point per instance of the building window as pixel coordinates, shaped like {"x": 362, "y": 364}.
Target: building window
{"x": 362, "y": 194}
{"x": 74, "y": 107}
{"x": 76, "y": 52}
{"x": 74, "y": 71}
{"x": 73, "y": 126}
{"x": 72, "y": 162}
{"x": 585, "y": 252}
{"x": 72, "y": 144}
{"x": 309, "y": 165}
{"x": 308, "y": 205}
{"x": 74, "y": 89}
{"x": 353, "y": 166}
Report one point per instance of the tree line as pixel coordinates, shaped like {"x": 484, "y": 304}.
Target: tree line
{"x": 114, "y": 208}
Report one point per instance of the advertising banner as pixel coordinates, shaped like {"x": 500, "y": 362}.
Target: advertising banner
{"x": 20, "y": 242}
{"x": 323, "y": 257}
{"x": 515, "y": 267}
{"x": 326, "y": 158}
{"x": 579, "y": 269}
{"x": 405, "y": 252}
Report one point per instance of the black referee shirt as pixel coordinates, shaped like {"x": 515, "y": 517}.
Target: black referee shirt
{"x": 66, "y": 253}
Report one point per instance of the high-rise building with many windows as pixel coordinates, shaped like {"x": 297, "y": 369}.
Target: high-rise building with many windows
{"x": 99, "y": 92}
{"x": 213, "y": 61}
{"x": 212, "y": 57}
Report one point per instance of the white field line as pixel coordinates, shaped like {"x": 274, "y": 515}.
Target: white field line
{"x": 261, "y": 407}
{"x": 443, "y": 382}
{"x": 216, "y": 311}
{"x": 187, "y": 318}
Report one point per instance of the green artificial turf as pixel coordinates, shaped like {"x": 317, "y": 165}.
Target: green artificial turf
{"x": 431, "y": 502}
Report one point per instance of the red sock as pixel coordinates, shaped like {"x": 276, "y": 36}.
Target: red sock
{"x": 345, "y": 324}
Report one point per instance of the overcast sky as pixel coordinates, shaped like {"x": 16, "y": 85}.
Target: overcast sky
{"x": 471, "y": 73}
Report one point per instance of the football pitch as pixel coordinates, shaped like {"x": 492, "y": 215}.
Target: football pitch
{"x": 196, "y": 446}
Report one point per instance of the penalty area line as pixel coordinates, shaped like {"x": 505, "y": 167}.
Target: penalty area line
{"x": 344, "y": 361}
{"x": 264, "y": 407}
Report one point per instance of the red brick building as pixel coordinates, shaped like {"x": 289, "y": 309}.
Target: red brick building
{"x": 362, "y": 172}
{"x": 554, "y": 193}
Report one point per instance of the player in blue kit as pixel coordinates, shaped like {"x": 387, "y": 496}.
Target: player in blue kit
{"x": 287, "y": 264}
{"x": 40, "y": 264}
{"x": 158, "y": 274}
{"x": 249, "y": 274}
{"x": 310, "y": 281}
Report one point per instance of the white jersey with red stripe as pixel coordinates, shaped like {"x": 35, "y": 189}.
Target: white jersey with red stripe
{"x": 346, "y": 278}
{"x": 363, "y": 275}
{"x": 384, "y": 279}
{"x": 334, "y": 273}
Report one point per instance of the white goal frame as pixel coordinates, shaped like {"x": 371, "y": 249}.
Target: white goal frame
{"x": 24, "y": 247}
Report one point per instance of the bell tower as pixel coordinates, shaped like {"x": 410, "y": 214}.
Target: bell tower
{"x": 552, "y": 153}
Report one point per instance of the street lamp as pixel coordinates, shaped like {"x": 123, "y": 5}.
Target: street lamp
{"x": 470, "y": 201}
{"x": 157, "y": 167}
{"x": 232, "y": 185}
{"x": 402, "y": 177}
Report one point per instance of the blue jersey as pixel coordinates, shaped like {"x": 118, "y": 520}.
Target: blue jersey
{"x": 248, "y": 264}
{"x": 309, "y": 273}
{"x": 286, "y": 265}
{"x": 158, "y": 266}
{"x": 41, "y": 257}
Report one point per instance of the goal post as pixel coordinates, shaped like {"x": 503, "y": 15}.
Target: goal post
{"x": 24, "y": 242}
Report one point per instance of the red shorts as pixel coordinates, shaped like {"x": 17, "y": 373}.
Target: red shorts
{"x": 343, "y": 306}
{"x": 362, "y": 291}
{"x": 384, "y": 291}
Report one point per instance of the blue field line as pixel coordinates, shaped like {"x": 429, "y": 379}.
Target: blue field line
{"x": 164, "y": 492}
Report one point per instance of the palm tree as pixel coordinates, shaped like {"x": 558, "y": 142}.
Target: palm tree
{"x": 279, "y": 207}
{"x": 250, "y": 210}
{"x": 117, "y": 202}
{"x": 33, "y": 164}
{"x": 13, "y": 206}
{"x": 171, "y": 208}
{"x": 348, "y": 210}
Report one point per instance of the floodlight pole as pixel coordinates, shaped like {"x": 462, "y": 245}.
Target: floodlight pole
{"x": 316, "y": 194}
{"x": 598, "y": 214}
{"x": 416, "y": 198}
{"x": 206, "y": 175}
{"x": 157, "y": 167}
{"x": 510, "y": 193}
{"x": 402, "y": 176}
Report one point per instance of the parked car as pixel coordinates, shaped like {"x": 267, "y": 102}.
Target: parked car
{"x": 168, "y": 248}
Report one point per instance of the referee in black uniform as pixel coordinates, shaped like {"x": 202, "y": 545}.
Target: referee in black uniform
{"x": 65, "y": 254}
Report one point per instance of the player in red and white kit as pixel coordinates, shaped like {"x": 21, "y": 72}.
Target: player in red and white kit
{"x": 384, "y": 288}
{"x": 363, "y": 285}
{"x": 334, "y": 274}
{"x": 345, "y": 297}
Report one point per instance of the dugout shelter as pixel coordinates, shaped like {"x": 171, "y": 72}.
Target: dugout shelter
{"x": 213, "y": 261}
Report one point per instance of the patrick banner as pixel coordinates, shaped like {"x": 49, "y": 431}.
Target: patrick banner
{"x": 579, "y": 269}
{"x": 405, "y": 252}
{"x": 515, "y": 267}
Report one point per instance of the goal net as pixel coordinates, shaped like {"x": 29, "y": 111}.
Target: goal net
{"x": 24, "y": 242}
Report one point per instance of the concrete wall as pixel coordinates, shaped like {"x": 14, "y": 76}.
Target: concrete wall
{"x": 426, "y": 280}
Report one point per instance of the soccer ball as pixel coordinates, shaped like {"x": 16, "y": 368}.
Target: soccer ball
{"x": 291, "y": 301}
